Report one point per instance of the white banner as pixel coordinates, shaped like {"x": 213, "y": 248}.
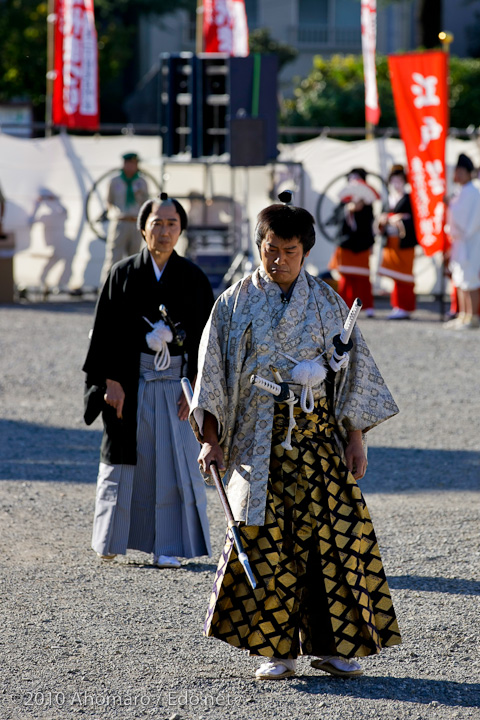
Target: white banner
{"x": 225, "y": 28}
{"x": 369, "y": 45}
{"x": 75, "y": 87}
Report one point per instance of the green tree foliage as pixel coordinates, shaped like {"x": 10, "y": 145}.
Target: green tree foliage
{"x": 117, "y": 27}
{"x": 333, "y": 94}
{"x": 261, "y": 41}
{"x": 23, "y": 58}
{"x": 464, "y": 92}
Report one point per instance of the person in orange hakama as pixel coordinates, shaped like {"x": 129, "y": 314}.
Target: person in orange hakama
{"x": 398, "y": 229}
{"x": 355, "y": 240}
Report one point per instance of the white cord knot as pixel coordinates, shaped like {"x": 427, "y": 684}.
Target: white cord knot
{"x": 158, "y": 340}
{"x": 287, "y": 443}
{"x": 308, "y": 374}
{"x": 337, "y": 365}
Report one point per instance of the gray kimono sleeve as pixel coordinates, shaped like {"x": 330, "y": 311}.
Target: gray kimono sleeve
{"x": 210, "y": 393}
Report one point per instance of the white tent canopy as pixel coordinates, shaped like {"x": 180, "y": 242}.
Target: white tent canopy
{"x": 68, "y": 166}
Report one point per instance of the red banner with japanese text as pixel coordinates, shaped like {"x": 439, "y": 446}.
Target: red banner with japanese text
{"x": 420, "y": 93}
{"x": 225, "y": 28}
{"x": 369, "y": 46}
{"x": 75, "y": 87}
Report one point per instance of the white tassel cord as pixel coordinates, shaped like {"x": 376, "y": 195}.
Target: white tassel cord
{"x": 287, "y": 443}
{"x": 157, "y": 340}
{"x": 309, "y": 374}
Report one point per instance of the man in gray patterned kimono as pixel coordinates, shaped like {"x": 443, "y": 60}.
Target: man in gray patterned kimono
{"x": 321, "y": 586}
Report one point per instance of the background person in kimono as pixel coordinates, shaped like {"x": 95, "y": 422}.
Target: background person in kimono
{"x": 355, "y": 240}
{"x": 398, "y": 229}
{"x": 321, "y": 588}
{"x": 126, "y": 194}
{"x": 463, "y": 217}
{"x": 150, "y": 494}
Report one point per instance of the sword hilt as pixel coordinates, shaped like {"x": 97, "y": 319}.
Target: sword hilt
{"x": 350, "y": 321}
{"x": 178, "y": 332}
{"x": 343, "y": 342}
{"x": 280, "y": 390}
{"x": 187, "y": 390}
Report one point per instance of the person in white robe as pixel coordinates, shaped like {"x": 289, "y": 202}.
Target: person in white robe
{"x": 464, "y": 230}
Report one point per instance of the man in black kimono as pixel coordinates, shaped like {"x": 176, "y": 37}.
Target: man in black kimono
{"x": 150, "y": 494}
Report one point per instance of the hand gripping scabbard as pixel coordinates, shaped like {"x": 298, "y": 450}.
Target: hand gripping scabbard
{"x": 232, "y": 523}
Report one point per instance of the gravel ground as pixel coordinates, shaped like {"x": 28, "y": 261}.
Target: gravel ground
{"x": 124, "y": 640}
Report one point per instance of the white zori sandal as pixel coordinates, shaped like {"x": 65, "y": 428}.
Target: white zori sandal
{"x": 106, "y": 558}
{"x": 341, "y": 667}
{"x": 276, "y": 669}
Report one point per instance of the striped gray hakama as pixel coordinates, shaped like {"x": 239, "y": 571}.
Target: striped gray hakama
{"x": 158, "y": 505}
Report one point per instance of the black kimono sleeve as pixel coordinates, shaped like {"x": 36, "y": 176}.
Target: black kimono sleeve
{"x": 409, "y": 239}
{"x": 105, "y": 356}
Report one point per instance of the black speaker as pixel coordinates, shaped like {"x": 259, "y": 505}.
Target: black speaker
{"x": 253, "y": 96}
{"x": 178, "y": 92}
{"x": 212, "y": 104}
{"x": 247, "y": 142}
{"x": 212, "y": 77}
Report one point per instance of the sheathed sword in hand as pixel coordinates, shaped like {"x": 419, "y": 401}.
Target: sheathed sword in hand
{"x": 232, "y": 523}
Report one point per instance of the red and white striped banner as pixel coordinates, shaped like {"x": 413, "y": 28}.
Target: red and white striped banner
{"x": 420, "y": 93}
{"x": 369, "y": 45}
{"x": 75, "y": 87}
{"x": 225, "y": 28}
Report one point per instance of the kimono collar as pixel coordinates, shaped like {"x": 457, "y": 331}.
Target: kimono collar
{"x": 276, "y": 321}
{"x": 262, "y": 281}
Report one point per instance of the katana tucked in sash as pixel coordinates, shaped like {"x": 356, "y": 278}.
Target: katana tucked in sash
{"x": 163, "y": 332}
{"x": 281, "y": 391}
{"x": 232, "y": 523}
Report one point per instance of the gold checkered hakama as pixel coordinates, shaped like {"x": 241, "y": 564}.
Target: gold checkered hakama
{"x": 321, "y": 587}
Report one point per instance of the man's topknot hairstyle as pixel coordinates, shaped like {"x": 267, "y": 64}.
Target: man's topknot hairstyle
{"x": 161, "y": 199}
{"x": 286, "y": 221}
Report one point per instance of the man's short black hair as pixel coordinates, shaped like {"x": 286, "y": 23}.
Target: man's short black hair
{"x": 465, "y": 162}
{"x": 286, "y": 221}
{"x": 397, "y": 171}
{"x": 161, "y": 199}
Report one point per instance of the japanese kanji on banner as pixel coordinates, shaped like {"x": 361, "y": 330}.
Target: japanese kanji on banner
{"x": 369, "y": 45}
{"x": 75, "y": 87}
{"x": 420, "y": 93}
{"x": 225, "y": 27}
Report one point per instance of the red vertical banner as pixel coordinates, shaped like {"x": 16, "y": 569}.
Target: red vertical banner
{"x": 420, "y": 94}
{"x": 225, "y": 28}
{"x": 75, "y": 87}
{"x": 369, "y": 47}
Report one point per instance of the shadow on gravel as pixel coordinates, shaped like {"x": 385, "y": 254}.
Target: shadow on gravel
{"x": 77, "y": 307}
{"x": 200, "y": 567}
{"x": 454, "y": 586}
{"x": 195, "y": 567}
{"x": 417, "y": 469}
{"x": 35, "y": 452}
{"x": 412, "y": 690}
